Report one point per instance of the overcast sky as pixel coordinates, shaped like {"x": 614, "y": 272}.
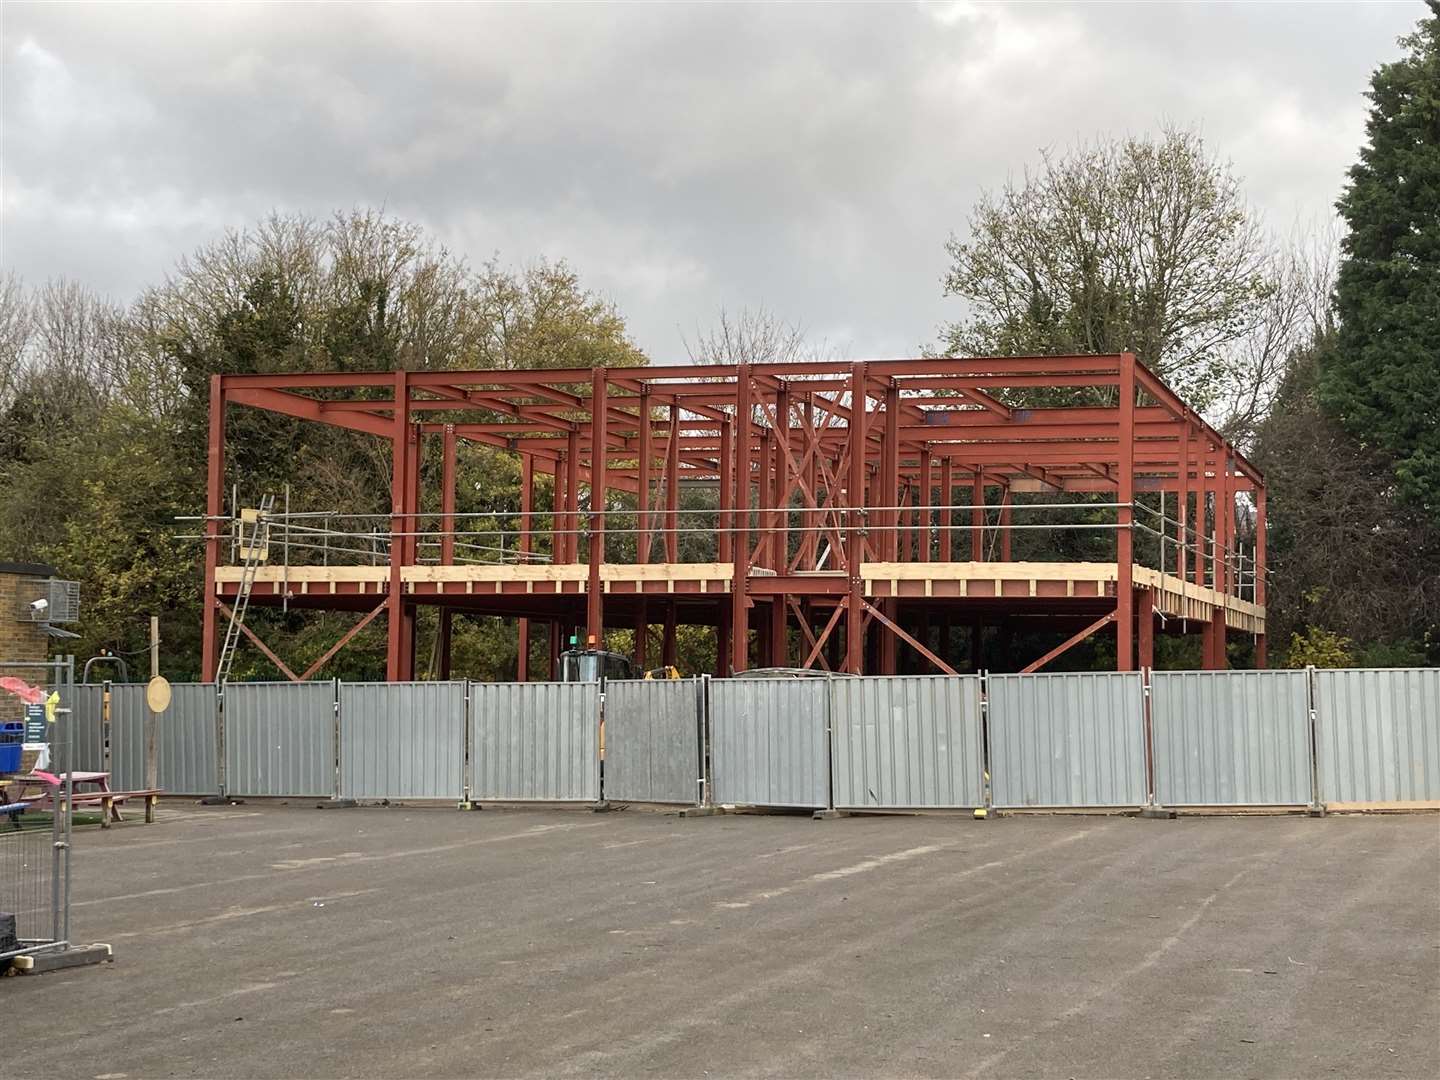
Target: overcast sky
{"x": 683, "y": 158}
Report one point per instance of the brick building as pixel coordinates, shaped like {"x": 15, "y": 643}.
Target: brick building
{"x": 22, "y": 638}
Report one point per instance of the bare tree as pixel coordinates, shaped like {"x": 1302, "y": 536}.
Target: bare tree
{"x": 15, "y": 328}
{"x": 754, "y": 336}
{"x": 1296, "y": 314}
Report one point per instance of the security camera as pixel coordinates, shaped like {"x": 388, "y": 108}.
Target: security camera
{"x": 40, "y": 606}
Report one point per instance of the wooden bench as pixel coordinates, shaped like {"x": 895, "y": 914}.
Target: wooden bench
{"x": 111, "y": 801}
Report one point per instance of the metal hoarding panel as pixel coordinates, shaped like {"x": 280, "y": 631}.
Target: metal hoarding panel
{"x": 907, "y": 742}
{"x": 127, "y": 736}
{"x": 769, "y": 742}
{"x": 652, "y": 740}
{"x": 402, "y": 740}
{"x": 1231, "y": 738}
{"x": 280, "y": 739}
{"x": 1067, "y": 739}
{"x": 1377, "y": 735}
{"x": 535, "y": 742}
{"x": 85, "y": 703}
{"x": 186, "y": 741}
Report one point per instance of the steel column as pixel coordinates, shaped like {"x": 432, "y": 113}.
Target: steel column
{"x": 214, "y": 508}
{"x": 447, "y": 493}
{"x": 947, "y": 499}
{"x": 977, "y": 516}
{"x": 599, "y": 443}
{"x": 740, "y": 540}
{"x": 395, "y": 655}
{"x": 927, "y": 481}
{"x": 642, "y": 493}
{"x": 725, "y": 520}
{"x": 572, "y": 498}
{"x": 1124, "y": 537}
{"x": 672, "y": 489}
{"x": 527, "y": 506}
{"x": 855, "y": 521}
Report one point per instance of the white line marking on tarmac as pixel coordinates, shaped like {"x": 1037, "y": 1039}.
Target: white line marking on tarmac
{"x": 1150, "y": 959}
{"x": 239, "y": 991}
{"x": 383, "y": 857}
{"x": 241, "y": 913}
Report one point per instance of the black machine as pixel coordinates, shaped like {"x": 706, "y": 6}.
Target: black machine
{"x": 594, "y": 665}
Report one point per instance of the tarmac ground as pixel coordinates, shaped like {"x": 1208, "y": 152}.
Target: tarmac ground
{"x": 280, "y": 941}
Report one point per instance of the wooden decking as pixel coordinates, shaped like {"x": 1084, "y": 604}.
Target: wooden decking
{"x": 991, "y": 581}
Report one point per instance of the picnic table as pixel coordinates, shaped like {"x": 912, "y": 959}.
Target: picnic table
{"x": 87, "y": 789}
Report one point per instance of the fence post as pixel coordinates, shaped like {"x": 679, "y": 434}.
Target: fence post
{"x": 830, "y": 731}
{"x": 985, "y": 789}
{"x": 1317, "y": 804}
{"x": 466, "y": 749}
{"x": 707, "y": 764}
{"x": 336, "y": 759}
{"x": 1147, "y": 719}
{"x": 221, "y": 780}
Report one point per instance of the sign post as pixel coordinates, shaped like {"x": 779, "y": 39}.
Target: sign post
{"x": 157, "y": 698}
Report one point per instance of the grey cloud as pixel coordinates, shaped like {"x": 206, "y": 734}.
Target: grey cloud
{"x": 683, "y": 158}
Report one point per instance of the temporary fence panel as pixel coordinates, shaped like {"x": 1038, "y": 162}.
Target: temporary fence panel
{"x": 28, "y": 877}
{"x": 1067, "y": 739}
{"x": 1231, "y": 738}
{"x": 1377, "y": 735}
{"x": 535, "y": 742}
{"x": 279, "y": 739}
{"x": 186, "y": 740}
{"x": 907, "y": 742}
{"x": 652, "y": 740}
{"x": 769, "y": 742}
{"x": 402, "y": 740}
{"x": 127, "y": 736}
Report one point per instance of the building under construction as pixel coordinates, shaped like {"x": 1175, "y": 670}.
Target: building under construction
{"x": 829, "y": 515}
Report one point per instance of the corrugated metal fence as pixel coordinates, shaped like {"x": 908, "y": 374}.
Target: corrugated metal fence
{"x": 280, "y": 739}
{"x": 87, "y": 713}
{"x": 653, "y": 739}
{"x": 1227, "y": 738}
{"x": 127, "y": 736}
{"x": 907, "y": 742}
{"x": 1067, "y": 740}
{"x": 769, "y": 742}
{"x": 1377, "y": 735}
{"x": 402, "y": 740}
{"x": 187, "y": 740}
{"x": 535, "y": 742}
{"x": 1231, "y": 738}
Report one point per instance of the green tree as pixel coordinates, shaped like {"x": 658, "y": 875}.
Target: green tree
{"x": 1346, "y": 553}
{"x": 1142, "y": 243}
{"x": 1382, "y": 379}
{"x": 104, "y": 414}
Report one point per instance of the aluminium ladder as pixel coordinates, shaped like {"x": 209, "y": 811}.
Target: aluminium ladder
{"x": 254, "y": 552}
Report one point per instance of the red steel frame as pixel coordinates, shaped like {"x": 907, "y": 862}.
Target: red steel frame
{"x": 851, "y": 448}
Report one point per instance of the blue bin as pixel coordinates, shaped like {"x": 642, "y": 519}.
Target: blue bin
{"x": 12, "y": 736}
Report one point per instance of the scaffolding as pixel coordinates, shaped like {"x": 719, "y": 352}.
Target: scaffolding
{"x": 816, "y": 514}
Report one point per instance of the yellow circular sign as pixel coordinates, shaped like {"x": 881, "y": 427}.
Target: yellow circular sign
{"x": 157, "y": 694}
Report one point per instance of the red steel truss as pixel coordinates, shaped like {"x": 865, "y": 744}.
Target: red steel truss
{"x": 850, "y": 499}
